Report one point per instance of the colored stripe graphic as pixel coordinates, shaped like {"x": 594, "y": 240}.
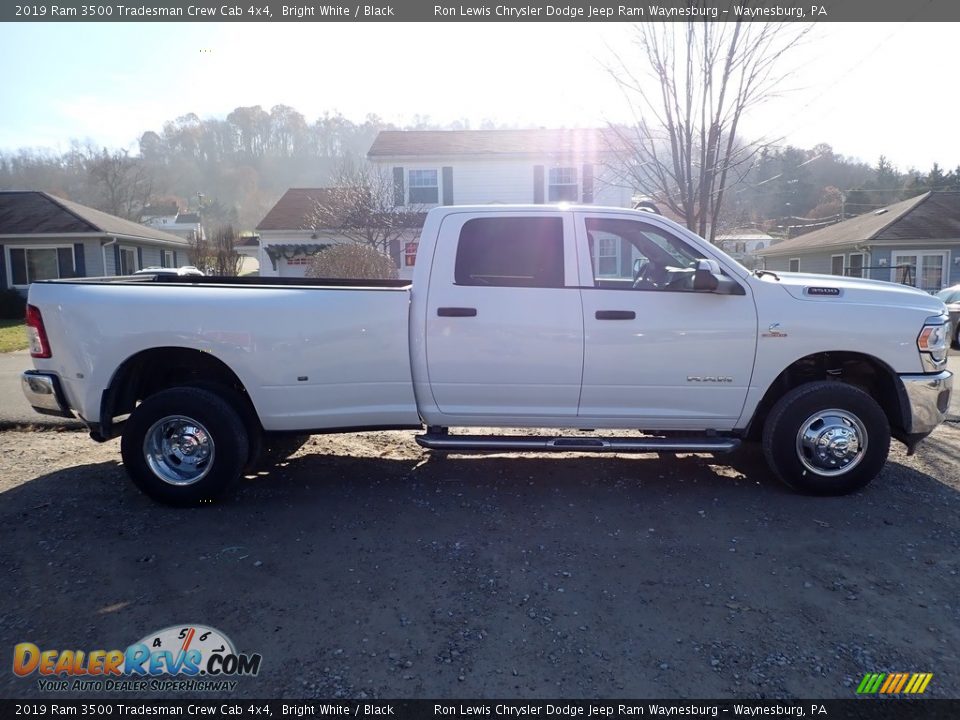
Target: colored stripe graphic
{"x": 894, "y": 683}
{"x": 870, "y": 683}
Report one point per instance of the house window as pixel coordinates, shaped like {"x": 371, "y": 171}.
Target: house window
{"x": 856, "y": 265}
{"x": 656, "y": 258}
{"x": 511, "y": 252}
{"x": 563, "y": 184}
{"x": 167, "y": 260}
{"x": 836, "y": 264}
{"x": 606, "y": 252}
{"x": 925, "y": 269}
{"x": 424, "y": 189}
{"x": 28, "y": 265}
{"x": 794, "y": 265}
{"x": 128, "y": 261}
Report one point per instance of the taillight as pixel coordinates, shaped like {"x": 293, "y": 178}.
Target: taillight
{"x": 36, "y": 334}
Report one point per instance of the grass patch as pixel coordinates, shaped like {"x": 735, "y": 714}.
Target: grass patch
{"x": 13, "y": 335}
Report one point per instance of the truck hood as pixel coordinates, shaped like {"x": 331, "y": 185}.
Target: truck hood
{"x": 833, "y": 289}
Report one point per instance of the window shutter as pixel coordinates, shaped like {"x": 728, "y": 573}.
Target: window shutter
{"x": 3, "y": 268}
{"x": 65, "y": 262}
{"x": 139, "y": 257}
{"x": 116, "y": 259}
{"x": 398, "y": 194}
{"x": 395, "y": 251}
{"x": 448, "y": 186}
{"x": 587, "y": 194}
{"x": 175, "y": 259}
{"x": 79, "y": 260}
{"x": 538, "y": 184}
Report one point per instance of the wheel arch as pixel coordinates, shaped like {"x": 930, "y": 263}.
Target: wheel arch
{"x": 149, "y": 371}
{"x": 867, "y": 372}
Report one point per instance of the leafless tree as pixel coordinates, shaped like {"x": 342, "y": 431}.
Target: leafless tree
{"x": 689, "y": 85}
{"x": 201, "y": 253}
{"x": 216, "y": 254}
{"x": 124, "y": 184}
{"x": 351, "y": 261}
{"x": 361, "y": 207}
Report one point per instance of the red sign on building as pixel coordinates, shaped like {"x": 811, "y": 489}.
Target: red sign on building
{"x": 410, "y": 254}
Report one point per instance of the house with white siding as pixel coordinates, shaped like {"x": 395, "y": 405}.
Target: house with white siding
{"x": 743, "y": 244}
{"x": 456, "y": 167}
{"x": 471, "y": 167}
{"x": 43, "y": 237}
{"x": 915, "y": 242}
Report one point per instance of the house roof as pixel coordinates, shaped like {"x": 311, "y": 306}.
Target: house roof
{"x": 931, "y": 216}
{"x": 160, "y": 210}
{"x": 188, "y": 219}
{"x": 38, "y": 213}
{"x": 431, "y": 143}
{"x": 742, "y": 235}
{"x": 293, "y": 210}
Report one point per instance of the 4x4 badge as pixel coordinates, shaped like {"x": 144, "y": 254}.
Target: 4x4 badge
{"x": 774, "y": 331}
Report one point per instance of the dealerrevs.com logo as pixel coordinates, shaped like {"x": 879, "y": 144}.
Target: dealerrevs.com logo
{"x": 180, "y": 657}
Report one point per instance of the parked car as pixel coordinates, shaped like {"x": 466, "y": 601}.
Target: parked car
{"x": 951, "y": 298}
{"x": 183, "y": 270}
{"x": 510, "y": 321}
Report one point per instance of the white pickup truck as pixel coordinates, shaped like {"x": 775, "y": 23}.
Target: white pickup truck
{"x": 517, "y": 316}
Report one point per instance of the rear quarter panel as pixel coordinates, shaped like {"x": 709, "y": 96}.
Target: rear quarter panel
{"x": 310, "y": 357}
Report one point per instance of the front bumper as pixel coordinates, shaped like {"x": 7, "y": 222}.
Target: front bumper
{"x": 44, "y": 393}
{"x": 928, "y": 399}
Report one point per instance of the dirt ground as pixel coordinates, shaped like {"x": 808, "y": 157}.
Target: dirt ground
{"x": 362, "y": 569}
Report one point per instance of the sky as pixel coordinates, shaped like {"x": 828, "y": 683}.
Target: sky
{"x": 866, "y": 89}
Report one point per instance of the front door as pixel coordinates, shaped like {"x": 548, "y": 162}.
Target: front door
{"x": 655, "y": 348}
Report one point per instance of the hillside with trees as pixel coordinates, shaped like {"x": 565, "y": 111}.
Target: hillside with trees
{"x": 236, "y": 167}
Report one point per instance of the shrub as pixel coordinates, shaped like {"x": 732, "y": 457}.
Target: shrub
{"x": 13, "y": 305}
{"x": 353, "y": 262}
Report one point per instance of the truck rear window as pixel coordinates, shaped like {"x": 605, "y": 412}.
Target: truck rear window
{"x": 511, "y": 251}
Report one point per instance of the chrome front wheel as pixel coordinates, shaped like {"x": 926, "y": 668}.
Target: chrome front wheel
{"x": 826, "y": 438}
{"x": 831, "y": 442}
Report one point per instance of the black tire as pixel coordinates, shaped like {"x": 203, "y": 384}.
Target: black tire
{"x": 795, "y": 458}
{"x": 956, "y": 337}
{"x": 274, "y": 448}
{"x": 194, "y": 467}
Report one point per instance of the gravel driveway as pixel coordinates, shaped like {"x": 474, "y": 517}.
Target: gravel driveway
{"x": 361, "y": 569}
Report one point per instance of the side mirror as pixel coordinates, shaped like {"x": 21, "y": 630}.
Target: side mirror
{"x": 709, "y": 278}
{"x": 706, "y": 277}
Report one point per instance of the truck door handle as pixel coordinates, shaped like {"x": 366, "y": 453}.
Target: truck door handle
{"x": 615, "y": 315}
{"x": 456, "y": 312}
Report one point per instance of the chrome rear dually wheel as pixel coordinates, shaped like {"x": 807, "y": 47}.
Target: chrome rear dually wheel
{"x": 184, "y": 445}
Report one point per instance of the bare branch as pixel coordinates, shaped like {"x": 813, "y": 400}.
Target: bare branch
{"x": 688, "y": 86}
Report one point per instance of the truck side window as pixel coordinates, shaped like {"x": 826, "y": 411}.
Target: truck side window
{"x": 628, "y": 254}
{"x": 511, "y": 252}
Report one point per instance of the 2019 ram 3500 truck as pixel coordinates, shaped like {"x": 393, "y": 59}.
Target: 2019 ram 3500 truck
{"x": 521, "y": 316}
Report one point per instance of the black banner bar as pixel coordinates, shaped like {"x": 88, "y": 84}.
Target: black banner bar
{"x": 872, "y": 708}
{"x": 481, "y": 11}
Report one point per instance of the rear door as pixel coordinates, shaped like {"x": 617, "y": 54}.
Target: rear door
{"x": 504, "y": 323}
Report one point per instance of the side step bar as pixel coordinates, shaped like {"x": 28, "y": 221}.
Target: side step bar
{"x": 535, "y": 443}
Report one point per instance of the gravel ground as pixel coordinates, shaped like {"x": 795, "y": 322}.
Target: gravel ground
{"x": 362, "y": 569}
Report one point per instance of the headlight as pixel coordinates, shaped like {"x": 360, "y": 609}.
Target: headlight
{"x": 932, "y": 343}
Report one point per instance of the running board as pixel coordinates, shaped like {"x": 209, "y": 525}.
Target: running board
{"x": 535, "y": 443}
